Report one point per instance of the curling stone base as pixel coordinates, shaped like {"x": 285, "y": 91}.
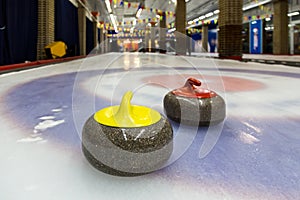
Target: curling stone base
{"x": 195, "y": 111}
{"x": 127, "y": 151}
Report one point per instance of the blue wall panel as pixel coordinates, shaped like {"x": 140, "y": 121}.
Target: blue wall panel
{"x": 18, "y": 31}
{"x": 66, "y": 25}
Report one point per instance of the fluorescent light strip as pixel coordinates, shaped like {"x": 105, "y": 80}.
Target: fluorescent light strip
{"x": 293, "y": 14}
{"x": 208, "y": 19}
{"x": 255, "y": 5}
{"x": 216, "y": 12}
{"x": 113, "y": 21}
{"x": 209, "y": 14}
{"x": 138, "y": 14}
{"x": 108, "y": 6}
{"x": 201, "y": 17}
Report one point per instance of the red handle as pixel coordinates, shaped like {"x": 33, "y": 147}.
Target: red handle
{"x": 192, "y": 89}
{"x": 192, "y": 82}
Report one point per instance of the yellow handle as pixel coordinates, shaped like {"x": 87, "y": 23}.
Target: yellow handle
{"x": 124, "y": 116}
{"x": 127, "y": 115}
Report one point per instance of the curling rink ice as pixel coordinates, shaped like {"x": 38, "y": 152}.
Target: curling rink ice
{"x": 254, "y": 154}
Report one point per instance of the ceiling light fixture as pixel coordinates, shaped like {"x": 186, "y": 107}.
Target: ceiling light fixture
{"x": 216, "y": 12}
{"x": 138, "y": 14}
{"x": 107, "y": 3}
{"x": 131, "y": 30}
{"x": 201, "y": 17}
{"x": 293, "y": 14}
{"x": 209, "y": 14}
{"x": 113, "y": 21}
{"x": 197, "y": 24}
{"x": 251, "y": 6}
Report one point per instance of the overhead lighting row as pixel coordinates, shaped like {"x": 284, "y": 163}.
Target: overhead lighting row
{"x": 216, "y": 12}
{"x": 107, "y": 3}
{"x": 251, "y": 6}
{"x": 293, "y": 14}
{"x": 202, "y": 17}
{"x": 111, "y": 15}
{"x": 114, "y": 22}
{"x": 138, "y": 13}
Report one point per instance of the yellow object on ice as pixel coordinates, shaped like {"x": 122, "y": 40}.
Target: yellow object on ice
{"x": 127, "y": 115}
{"x": 56, "y": 49}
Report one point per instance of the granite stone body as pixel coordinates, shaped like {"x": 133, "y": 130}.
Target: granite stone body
{"x": 127, "y": 151}
{"x": 195, "y": 111}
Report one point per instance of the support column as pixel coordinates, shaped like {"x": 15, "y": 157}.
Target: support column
{"x": 46, "y": 26}
{"x": 101, "y": 35}
{"x": 230, "y": 25}
{"x": 147, "y": 39}
{"x": 280, "y": 34}
{"x": 162, "y": 34}
{"x": 292, "y": 40}
{"x": 106, "y": 43}
{"x": 152, "y": 36}
{"x": 82, "y": 27}
{"x": 95, "y": 26}
{"x": 205, "y": 37}
{"x": 180, "y": 23}
{"x": 101, "y": 40}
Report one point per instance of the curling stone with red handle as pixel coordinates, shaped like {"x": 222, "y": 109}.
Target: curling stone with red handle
{"x": 193, "y": 105}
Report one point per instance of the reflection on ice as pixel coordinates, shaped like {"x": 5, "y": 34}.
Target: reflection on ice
{"x": 256, "y": 129}
{"x": 47, "y": 117}
{"x": 30, "y": 139}
{"x": 247, "y": 138}
{"x": 44, "y": 125}
{"x": 56, "y": 110}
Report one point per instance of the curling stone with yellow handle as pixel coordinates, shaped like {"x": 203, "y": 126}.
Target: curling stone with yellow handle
{"x": 127, "y": 140}
{"x": 194, "y": 105}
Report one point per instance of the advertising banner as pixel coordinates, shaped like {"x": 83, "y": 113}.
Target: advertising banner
{"x": 256, "y": 39}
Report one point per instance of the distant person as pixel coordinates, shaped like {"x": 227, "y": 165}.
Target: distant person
{"x": 213, "y": 45}
{"x": 255, "y": 39}
{"x": 168, "y": 46}
{"x": 198, "y": 46}
{"x": 189, "y": 45}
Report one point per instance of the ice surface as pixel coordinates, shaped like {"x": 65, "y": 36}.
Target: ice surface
{"x": 256, "y": 157}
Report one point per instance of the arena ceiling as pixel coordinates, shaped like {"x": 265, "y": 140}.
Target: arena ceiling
{"x": 122, "y": 12}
